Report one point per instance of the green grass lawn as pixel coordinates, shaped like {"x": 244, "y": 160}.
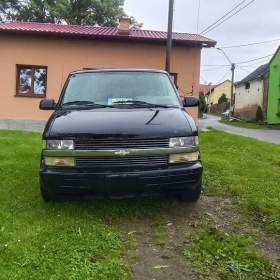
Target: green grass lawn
{"x": 220, "y": 255}
{"x": 82, "y": 239}
{"x": 247, "y": 168}
{"x": 70, "y": 240}
{"x": 249, "y": 124}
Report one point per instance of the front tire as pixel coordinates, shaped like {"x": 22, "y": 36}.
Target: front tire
{"x": 191, "y": 195}
{"x": 47, "y": 195}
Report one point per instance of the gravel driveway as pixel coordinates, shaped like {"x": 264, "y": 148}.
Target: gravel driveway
{"x": 266, "y": 135}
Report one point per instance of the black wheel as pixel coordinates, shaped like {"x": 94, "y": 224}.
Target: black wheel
{"x": 191, "y": 195}
{"x": 47, "y": 195}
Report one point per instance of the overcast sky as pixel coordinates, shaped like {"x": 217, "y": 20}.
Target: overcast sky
{"x": 258, "y": 22}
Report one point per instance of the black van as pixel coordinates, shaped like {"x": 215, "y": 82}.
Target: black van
{"x": 120, "y": 132}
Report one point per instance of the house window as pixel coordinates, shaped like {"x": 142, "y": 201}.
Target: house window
{"x": 31, "y": 81}
{"x": 247, "y": 85}
{"x": 174, "y": 78}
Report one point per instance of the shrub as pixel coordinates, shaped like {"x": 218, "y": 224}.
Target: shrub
{"x": 222, "y": 99}
{"x": 259, "y": 114}
{"x": 202, "y": 103}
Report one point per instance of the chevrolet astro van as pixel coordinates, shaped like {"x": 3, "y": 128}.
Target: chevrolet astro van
{"x": 120, "y": 132}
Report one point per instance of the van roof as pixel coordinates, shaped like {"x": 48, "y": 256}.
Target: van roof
{"x": 88, "y": 70}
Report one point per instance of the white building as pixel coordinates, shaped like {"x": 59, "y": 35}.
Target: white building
{"x": 250, "y": 93}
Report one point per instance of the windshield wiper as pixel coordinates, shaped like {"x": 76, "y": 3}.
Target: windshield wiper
{"x": 86, "y": 104}
{"x": 138, "y": 103}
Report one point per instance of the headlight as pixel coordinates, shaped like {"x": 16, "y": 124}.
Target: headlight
{"x": 177, "y": 158}
{"x": 59, "y": 144}
{"x": 180, "y": 142}
{"x": 59, "y": 161}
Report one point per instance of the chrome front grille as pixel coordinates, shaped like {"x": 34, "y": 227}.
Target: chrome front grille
{"x": 127, "y": 161}
{"x": 117, "y": 144}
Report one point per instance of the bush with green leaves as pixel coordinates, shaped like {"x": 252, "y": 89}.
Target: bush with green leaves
{"x": 202, "y": 103}
{"x": 223, "y": 98}
{"x": 259, "y": 114}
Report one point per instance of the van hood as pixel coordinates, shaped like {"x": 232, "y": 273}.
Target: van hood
{"x": 108, "y": 122}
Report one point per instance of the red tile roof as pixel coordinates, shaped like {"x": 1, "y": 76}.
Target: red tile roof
{"x": 205, "y": 88}
{"x": 102, "y": 33}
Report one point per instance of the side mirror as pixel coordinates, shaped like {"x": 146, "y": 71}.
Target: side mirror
{"x": 47, "y": 104}
{"x": 190, "y": 101}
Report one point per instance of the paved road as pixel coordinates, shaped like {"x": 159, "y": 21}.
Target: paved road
{"x": 271, "y": 136}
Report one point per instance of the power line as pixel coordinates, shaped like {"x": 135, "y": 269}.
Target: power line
{"x": 256, "y": 64}
{"x": 211, "y": 66}
{"x": 203, "y": 79}
{"x": 214, "y": 23}
{"x": 214, "y": 68}
{"x": 260, "y": 62}
{"x": 250, "y": 44}
{"x": 238, "y": 11}
{"x": 223, "y": 77}
{"x": 241, "y": 62}
{"x": 215, "y": 65}
{"x": 245, "y": 70}
{"x": 226, "y": 19}
{"x": 225, "y": 55}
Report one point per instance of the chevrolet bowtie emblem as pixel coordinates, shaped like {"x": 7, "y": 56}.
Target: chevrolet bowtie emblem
{"x": 122, "y": 153}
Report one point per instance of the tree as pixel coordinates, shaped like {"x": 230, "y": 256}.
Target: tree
{"x": 90, "y": 12}
{"x": 222, "y": 99}
{"x": 202, "y": 103}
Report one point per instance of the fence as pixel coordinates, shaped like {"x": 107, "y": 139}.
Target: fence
{"x": 218, "y": 109}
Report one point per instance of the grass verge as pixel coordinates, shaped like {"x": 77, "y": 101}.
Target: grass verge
{"x": 248, "y": 124}
{"x": 215, "y": 254}
{"x": 247, "y": 168}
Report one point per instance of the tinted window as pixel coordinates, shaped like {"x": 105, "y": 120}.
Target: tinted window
{"x": 109, "y": 87}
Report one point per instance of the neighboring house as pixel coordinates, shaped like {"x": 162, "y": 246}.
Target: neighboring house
{"x": 36, "y": 59}
{"x": 260, "y": 88}
{"x": 217, "y": 91}
{"x": 273, "y": 107}
{"x": 204, "y": 88}
{"x": 250, "y": 93}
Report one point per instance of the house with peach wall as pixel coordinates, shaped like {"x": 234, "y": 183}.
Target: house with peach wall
{"x": 36, "y": 58}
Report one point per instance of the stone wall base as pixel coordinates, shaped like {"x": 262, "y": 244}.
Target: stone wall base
{"x": 247, "y": 113}
{"x": 28, "y": 125}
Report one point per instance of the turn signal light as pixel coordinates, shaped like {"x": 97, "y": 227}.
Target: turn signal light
{"x": 60, "y": 161}
{"x": 177, "y": 158}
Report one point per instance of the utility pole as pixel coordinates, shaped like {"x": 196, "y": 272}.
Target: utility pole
{"x": 232, "y": 84}
{"x": 169, "y": 36}
{"x": 232, "y": 76}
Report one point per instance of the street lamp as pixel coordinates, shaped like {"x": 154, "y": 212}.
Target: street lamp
{"x": 232, "y": 75}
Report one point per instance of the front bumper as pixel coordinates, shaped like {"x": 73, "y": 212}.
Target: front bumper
{"x": 173, "y": 179}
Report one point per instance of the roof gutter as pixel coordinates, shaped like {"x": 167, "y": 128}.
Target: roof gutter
{"x": 162, "y": 41}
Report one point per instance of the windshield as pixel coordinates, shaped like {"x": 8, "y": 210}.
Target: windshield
{"x": 109, "y": 88}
